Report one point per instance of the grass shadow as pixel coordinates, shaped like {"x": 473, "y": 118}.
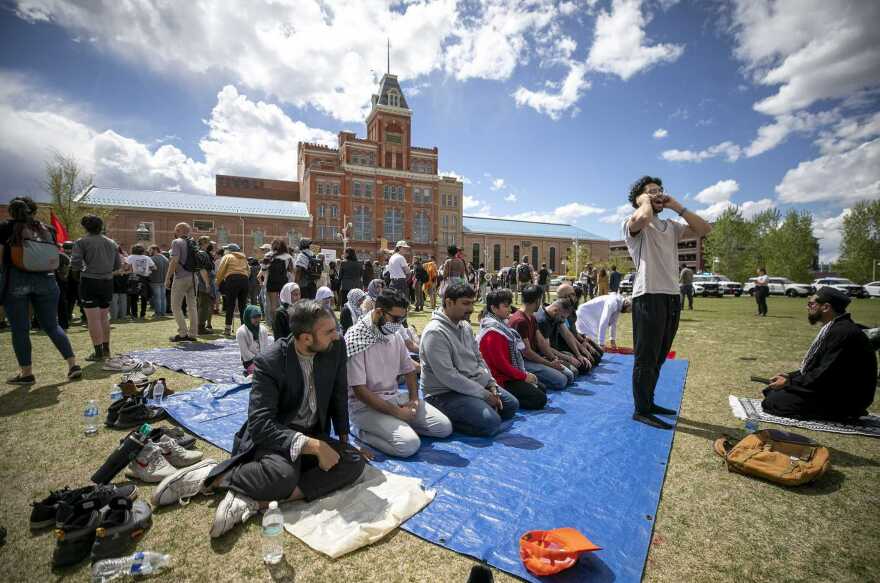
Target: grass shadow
{"x": 23, "y": 399}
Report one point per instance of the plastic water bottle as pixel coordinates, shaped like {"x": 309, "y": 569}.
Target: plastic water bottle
{"x": 140, "y": 563}
{"x": 273, "y": 529}
{"x": 115, "y": 394}
{"x": 159, "y": 391}
{"x": 751, "y": 425}
{"x": 90, "y": 418}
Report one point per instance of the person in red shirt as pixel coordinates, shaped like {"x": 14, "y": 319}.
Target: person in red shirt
{"x": 501, "y": 347}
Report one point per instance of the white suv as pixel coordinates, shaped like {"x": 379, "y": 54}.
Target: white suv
{"x": 844, "y": 285}
{"x": 781, "y": 286}
{"x": 716, "y": 285}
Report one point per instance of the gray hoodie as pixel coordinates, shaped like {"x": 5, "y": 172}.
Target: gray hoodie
{"x": 451, "y": 359}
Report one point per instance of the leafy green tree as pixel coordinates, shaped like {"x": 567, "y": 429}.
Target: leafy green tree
{"x": 734, "y": 243}
{"x": 791, "y": 249}
{"x": 577, "y": 258}
{"x": 860, "y": 244}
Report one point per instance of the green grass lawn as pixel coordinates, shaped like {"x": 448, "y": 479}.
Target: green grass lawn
{"x": 711, "y": 525}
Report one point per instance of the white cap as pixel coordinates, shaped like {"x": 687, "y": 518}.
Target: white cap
{"x": 273, "y": 505}
{"x": 402, "y": 243}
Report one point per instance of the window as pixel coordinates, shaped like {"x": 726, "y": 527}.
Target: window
{"x": 259, "y": 237}
{"x": 454, "y": 220}
{"x": 535, "y": 256}
{"x": 393, "y": 138}
{"x": 356, "y": 188}
{"x": 475, "y": 253}
{"x": 222, "y": 235}
{"x": 422, "y": 195}
{"x": 362, "y": 158}
{"x": 393, "y": 99}
{"x": 321, "y": 211}
{"x": 363, "y": 188}
{"x": 552, "y": 261}
{"x": 393, "y": 192}
{"x": 422, "y": 166}
{"x": 293, "y": 237}
{"x": 327, "y": 232}
{"x": 516, "y": 253}
{"x": 203, "y": 226}
{"x": 422, "y": 227}
{"x": 334, "y": 211}
{"x": 144, "y": 231}
{"x": 393, "y": 229}
{"x": 328, "y": 188}
{"x": 496, "y": 256}
{"x": 363, "y": 223}
{"x": 445, "y": 220}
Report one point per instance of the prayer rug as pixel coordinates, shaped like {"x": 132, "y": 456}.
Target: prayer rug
{"x": 218, "y": 361}
{"x": 744, "y": 408}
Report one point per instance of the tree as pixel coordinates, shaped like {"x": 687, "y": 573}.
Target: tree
{"x": 733, "y": 241}
{"x": 791, "y": 249}
{"x": 65, "y": 180}
{"x": 577, "y": 258}
{"x": 860, "y": 244}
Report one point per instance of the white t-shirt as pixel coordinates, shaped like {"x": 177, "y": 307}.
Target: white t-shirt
{"x": 397, "y": 267}
{"x": 654, "y": 251}
{"x": 763, "y": 280}
{"x": 596, "y": 316}
{"x": 140, "y": 264}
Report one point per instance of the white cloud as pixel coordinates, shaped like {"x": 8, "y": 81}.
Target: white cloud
{"x": 829, "y": 231}
{"x": 660, "y": 133}
{"x": 729, "y": 150}
{"x": 620, "y": 214}
{"x": 566, "y": 213}
{"x": 721, "y": 190}
{"x": 838, "y": 177}
{"x": 243, "y": 137}
{"x": 749, "y": 208}
{"x": 567, "y": 8}
{"x": 510, "y": 198}
{"x": 771, "y": 135}
{"x": 475, "y": 207}
{"x": 554, "y": 104}
{"x": 497, "y": 184}
{"x": 849, "y": 133}
{"x": 812, "y": 50}
{"x": 620, "y": 46}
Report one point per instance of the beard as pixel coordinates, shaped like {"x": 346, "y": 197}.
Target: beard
{"x": 813, "y": 318}
{"x": 316, "y": 348}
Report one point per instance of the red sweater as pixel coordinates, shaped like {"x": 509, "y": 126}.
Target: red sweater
{"x": 493, "y": 347}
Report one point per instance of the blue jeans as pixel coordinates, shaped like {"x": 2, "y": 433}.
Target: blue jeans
{"x": 41, "y": 291}
{"x": 158, "y": 300}
{"x": 472, "y": 415}
{"x": 119, "y": 307}
{"x": 554, "y": 380}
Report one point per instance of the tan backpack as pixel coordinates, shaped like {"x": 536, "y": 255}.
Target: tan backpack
{"x": 785, "y": 458}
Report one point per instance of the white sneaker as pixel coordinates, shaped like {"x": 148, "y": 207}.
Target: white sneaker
{"x": 234, "y": 509}
{"x": 150, "y": 465}
{"x": 183, "y": 484}
{"x": 178, "y": 456}
{"x": 119, "y": 363}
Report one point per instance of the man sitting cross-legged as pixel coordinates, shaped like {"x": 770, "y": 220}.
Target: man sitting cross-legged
{"x": 454, "y": 377}
{"x": 838, "y": 376}
{"x": 377, "y": 355}
{"x": 283, "y": 451}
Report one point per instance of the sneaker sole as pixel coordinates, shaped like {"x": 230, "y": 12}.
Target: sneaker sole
{"x": 134, "y": 476}
{"x": 227, "y": 524}
{"x": 174, "y": 478}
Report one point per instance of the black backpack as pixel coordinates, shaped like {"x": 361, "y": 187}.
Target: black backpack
{"x": 523, "y": 273}
{"x": 277, "y": 272}
{"x": 316, "y": 267}
{"x": 193, "y": 261}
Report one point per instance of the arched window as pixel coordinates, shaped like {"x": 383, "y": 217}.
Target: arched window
{"x": 222, "y": 235}
{"x": 516, "y": 253}
{"x": 475, "y": 253}
{"x": 363, "y": 223}
{"x": 293, "y": 237}
{"x": 393, "y": 228}
{"x": 421, "y": 227}
{"x": 322, "y": 210}
{"x": 552, "y": 259}
{"x": 259, "y": 237}
{"x": 496, "y": 256}
{"x": 535, "y": 256}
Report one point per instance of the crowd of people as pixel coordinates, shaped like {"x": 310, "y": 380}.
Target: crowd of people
{"x": 369, "y": 373}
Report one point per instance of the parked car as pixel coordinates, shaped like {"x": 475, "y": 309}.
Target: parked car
{"x": 873, "y": 289}
{"x": 781, "y": 286}
{"x": 711, "y": 284}
{"x": 556, "y": 281}
{"x": 846, "y": 286}
{"x": 626, "y": 284}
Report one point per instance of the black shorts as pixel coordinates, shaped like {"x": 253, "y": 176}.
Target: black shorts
{"x": 95, "y": 293}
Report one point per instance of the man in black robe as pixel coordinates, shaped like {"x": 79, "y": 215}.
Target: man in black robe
{"x": 838, "y": 376}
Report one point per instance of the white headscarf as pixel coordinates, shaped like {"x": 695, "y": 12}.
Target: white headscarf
{"x": 323, "y": 293}
{"x": 286, "y": 292}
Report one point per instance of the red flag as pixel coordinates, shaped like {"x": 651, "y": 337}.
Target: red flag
{"x": 60, "y": 231}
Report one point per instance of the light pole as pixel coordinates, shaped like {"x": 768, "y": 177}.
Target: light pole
{"x": 243, "y": 246}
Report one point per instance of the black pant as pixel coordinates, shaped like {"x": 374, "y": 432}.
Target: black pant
{"x": 761, "y": 299}
{"x": 308, "y": 290}
{"x": 272, "y": 476}
{"x": 63, "y": 307}
{"x": 133, "y": 302}
{"x": 528, "y": 395}
{"x": 235, "y": 289}
{"x": 655, "y": 322}
{"x": 687, "y": 291}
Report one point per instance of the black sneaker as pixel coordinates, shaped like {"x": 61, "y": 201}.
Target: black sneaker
{"x": 182, "y": 438}
{"x": 135, "y": 413}
{"x": 114, "y": 409}
{"x": 19, "y": 379}
{"x": 45, "y": 512}
{"x": 76, "y": 534}
{"x": 651, "y": 420}
{"x": 75, "y": 372}
{"x": 179, "y": 338}
{"x": 123, "y": 523}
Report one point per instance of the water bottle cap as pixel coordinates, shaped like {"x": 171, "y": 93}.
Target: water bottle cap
{"x": 145, "y": 429}
{"x": 273, "y": 505}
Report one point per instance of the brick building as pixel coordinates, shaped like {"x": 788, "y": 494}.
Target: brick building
{"x": 690, "y": 251}
{"x": 498, "y": 243}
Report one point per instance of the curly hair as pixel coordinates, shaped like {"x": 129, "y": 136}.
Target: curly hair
{"x": 23, "y": 209}
{"x": 639, "y": 185}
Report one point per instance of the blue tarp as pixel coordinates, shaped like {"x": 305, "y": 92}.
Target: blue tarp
{"x": 580, "y": 462}
{"x": 218, "y": 361}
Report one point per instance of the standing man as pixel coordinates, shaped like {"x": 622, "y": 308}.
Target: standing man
{"x": 308, "y": 270}
{"x": 614, "y": 280}
{"x": 398, "y": 269}
{"x": 157, "y": 281}
{"x": 420, "y": 279}
{"x": 205, "y": 297}
{"x": 544, "y": 282}
{"x": 762, "y": 290}
{"x": 181, "y": 280}
{"x": 524, "y": 275}
{"x": 686, "y": 286}
{"x": 653, "y": 246}
{"x": 431, "y": 285}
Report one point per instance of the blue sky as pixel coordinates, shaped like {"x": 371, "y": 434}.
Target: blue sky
{"x": 548, "y": 110}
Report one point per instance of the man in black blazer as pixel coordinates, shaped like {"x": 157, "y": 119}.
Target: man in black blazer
{"x": 838, "y": 376}
{"x": 283, "y": 451}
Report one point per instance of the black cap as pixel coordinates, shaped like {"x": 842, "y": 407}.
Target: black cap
{"x": 833, "y": 296}
{"x": 67, "y": 244}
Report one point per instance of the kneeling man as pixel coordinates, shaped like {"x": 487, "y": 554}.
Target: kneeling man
{"x": 383, "y": 417}
{"x": 283, "y": 452}
{"x": 598, "y": 317}
{"x": 454, "y": 377}
{"x": 838, "y": 376}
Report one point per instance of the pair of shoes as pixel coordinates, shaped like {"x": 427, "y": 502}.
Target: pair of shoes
{"x": 23, "y": 380}
{"x": 183, "y": 484}
{"x": 179, "y": 338}
{"x": 75, "y": 372}
{"x": 131, "y": 412}
{"x": 649, "y": 419}
{"x": 102, "y": 527}
{"x": 44, "y": 513}
{"x": 160, "y": 459}
{"x": 234, "y": 509}
{"x": 177, "y": 455}
{"x": 658, "y": 410}
{"x": 127, "y": 364}
{"x": 182, "y": 438}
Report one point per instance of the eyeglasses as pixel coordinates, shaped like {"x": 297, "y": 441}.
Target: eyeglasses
{"x": 395, "y": 319}
{"x": 655, "y": 191}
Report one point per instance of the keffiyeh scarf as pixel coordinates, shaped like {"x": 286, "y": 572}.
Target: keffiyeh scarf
{"x": 362, "y": 335}
{"x": 515, "y": 344}
{"x": 355, "y": 299}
